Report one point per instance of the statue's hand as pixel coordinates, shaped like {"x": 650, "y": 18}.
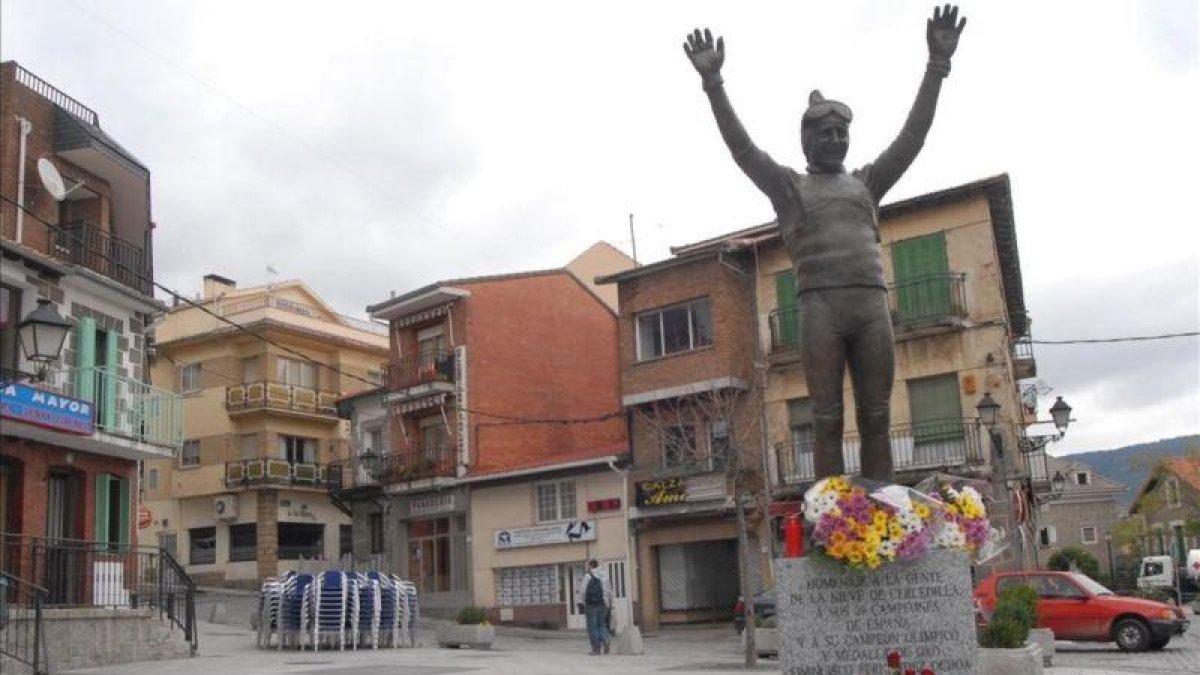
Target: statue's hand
{"x": 706, "y": 57}
{"x": 941, "y": 32}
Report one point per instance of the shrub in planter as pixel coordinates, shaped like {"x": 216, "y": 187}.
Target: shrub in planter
{"x": 1016, "y": 613}
{"x": 471, "y": 615}
{"x": 1073, "y": 555}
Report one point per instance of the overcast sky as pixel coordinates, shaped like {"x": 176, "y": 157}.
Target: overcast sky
{"x": 367, "y": 147}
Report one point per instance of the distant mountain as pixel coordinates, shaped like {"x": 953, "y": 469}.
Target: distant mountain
{"x": 1131, "y": 464}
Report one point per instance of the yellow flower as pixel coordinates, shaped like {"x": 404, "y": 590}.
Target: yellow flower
{"x": 922, "y": 510}
{"x": 838, "y": 538}
{"x": 837, "y": 551}
{"x": 952, "y": 509}
{"x": 895, "y": 531}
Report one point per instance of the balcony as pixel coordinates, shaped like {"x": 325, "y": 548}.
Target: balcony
{"x": 1024, "y": 365}
{"x": 438, "y": 461}
{"x": 785, "y": 330}
{"x": 282, "y": 472}
{"x": 131, "y": 419}
{"x": 286, "y": 398}
{"x": 934, "y": 301}
{"x": 950, "y": 443}
{"x": 82, "y": 243}
{"x": 421, "y": 374}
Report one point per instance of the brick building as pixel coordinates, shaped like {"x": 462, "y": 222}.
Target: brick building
{"x": 472, "y": 360}
{"x": 90, "y": 257}
{"x": 1082, "y": 515}
{"x": 689, "y": 384}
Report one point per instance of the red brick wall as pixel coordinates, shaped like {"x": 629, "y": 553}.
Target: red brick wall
{"x": 33, "y": 461}
{"x": 540, "y": 347}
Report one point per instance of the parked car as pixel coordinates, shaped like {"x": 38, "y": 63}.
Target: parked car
{"x": 1077, "y": 608}
{"x": 764, "y": 607}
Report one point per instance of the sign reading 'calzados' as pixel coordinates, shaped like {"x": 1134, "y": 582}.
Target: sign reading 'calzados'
{"x": 661, "y": 492}
{"x": 47, "y": 409}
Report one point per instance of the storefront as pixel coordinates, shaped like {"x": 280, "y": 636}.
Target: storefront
{"x": 533, "y": 535}
{"x": 432, "y": 546}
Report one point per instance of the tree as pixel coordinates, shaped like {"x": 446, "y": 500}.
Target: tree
{"x": 1075, "y": 558}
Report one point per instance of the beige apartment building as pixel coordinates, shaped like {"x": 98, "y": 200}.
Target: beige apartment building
{"x": 249, "y": 496}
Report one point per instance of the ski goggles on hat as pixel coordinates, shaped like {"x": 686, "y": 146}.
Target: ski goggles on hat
{"x": 827, "y": 107}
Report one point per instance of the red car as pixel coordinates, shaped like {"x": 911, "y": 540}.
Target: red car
{"x": 1077, "y": 608}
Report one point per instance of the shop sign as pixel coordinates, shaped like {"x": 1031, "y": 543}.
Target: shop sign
{"x": 660, "y": 492}
{"x": 46, "y": 409}
{"x": 544, "y": 535}
{"x": 433, "y": 504}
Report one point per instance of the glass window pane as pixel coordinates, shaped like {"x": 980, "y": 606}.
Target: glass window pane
{"x": 566, "y": 499}
{"x": 702, "y": 330}
{"x": 649, "y": 337}
{"x": 677, "y": 333}
{"x": 547, "y": 498}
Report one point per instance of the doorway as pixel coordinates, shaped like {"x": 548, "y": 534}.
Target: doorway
{"x": 572, "y": 576}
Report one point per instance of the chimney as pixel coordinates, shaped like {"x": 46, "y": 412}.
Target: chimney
{"x": 215, "y": 285}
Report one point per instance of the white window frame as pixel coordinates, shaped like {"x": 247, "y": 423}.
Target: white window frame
{"x": 692, "y": 344}
{"x": 1048, "y": 536}
{"x": 1084, "y": 539}
{"x": 1171, "y": 487}
{"x": 296, "y": 372}
{"x": 301, "y": 446}
{"x": 151, "y": 479}
{"x": 194, "y": 460}
{"x": 1087, "y": 478}
{"x": 564, "y": 508}
{"x": 189, "y": 378}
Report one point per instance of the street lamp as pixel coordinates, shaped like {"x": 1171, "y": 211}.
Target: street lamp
{"x": 989, "y": 411}
{"x": 1061, "y": 413}
{"x": 42, "y": 334}
{"x": 1058, "y": 482}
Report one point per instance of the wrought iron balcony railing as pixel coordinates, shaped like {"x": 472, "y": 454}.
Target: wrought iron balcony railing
{"x": 924, "y": 445}
{"x": 930, "y": 299}
{"x": 282, "y": 472}
{"x": 279, "y": 396}
{"x": 437, "y": 461}
{"x": 785, "y": 329}
{"x": 123, "y": 406}
{"x": 83, "y": 243}
{"x": 417, "y": 369}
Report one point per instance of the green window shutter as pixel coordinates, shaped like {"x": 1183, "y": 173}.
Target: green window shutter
{"x": 101, "y": 515}
{"x": 123, "y": 485}
{"x": 936, "y": 408}
{"x": 85, "y": 360}
{"x": 112, "y": 360}
{"x": 788, "y": 316}
{"x": 922, "y": 277}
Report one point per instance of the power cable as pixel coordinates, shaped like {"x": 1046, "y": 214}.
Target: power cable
{"x": 1139, "y": 338}
{"x": 320, "y": 364}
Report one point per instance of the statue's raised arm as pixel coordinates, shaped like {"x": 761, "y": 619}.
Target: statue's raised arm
{"x": 707, "y": 57}
{"x": 941, "y": 34}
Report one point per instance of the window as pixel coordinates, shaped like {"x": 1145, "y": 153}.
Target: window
{"x": 436, "y": 557}
{"x": 1087, "y": 535}
{"x": 679, "y": 446}
{"x": 938, "y": 432}
{"x": 674, "y": 329}
{"x": 616, "y": 578}
{"x": 190, "y": 454}
{"x": 248, "y": 445}
{"x": 152, "y": 479}
{"x": 433, "y": 436}
{"x": 10, "y": 316}
{"x": 922, "y": 278}
{"x": 345, "y": 540}
{"x": 301, "y": 541}
{"x": 718, "y": 442}
{"x": 296, "y": 373}
{"x": 785, "y": 324}
{"x": 297, "y": 449}
{"x": 374, "y": 440}
{"x": 532, "y": 585}
{"x": 243, "y": 542}
{"x": 1047, "y": 536}
{"x": 113, "y": 507}
{"x": 376, "y": 524}
{"x": 1171, "y": 487}
{"x": 1083, "y": 478}
{"x": 250, "y": 372}
{"x": 202, "y": 545}
{"x": 556, "y": 501}
{"x": 189, "y": 378}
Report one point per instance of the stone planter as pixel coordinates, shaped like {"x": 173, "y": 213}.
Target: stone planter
{"x": 1044, "y": 638}
{"x": 475, "y": 636}
{"x": 767, "y": 641}
{"x": 1026, "y": 660}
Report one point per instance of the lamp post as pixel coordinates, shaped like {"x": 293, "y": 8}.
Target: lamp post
{"x": 42, "y": 334}
{"x": 1112, "y": 571}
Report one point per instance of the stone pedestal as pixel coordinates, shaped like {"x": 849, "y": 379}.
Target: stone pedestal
{"x": 838, "y": 621}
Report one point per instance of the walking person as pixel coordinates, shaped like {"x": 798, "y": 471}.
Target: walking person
{"x": 594, "y": 599}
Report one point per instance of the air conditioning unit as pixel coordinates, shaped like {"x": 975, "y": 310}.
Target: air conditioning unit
{"x": 225, "y": 507}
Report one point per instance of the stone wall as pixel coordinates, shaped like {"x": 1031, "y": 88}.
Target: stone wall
{"x": 87, "y": 638}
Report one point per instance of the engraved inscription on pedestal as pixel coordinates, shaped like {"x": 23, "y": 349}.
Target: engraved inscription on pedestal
{"x": 838, "y": 621}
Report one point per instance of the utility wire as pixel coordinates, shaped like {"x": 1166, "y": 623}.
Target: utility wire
{"x": 1140, "y": 338}
{"x": 333, "y": 369}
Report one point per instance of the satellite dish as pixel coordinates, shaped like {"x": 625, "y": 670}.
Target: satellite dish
{"x": 51, "y": 179}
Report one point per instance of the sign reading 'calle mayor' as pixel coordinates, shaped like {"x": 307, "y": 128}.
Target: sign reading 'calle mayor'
{"x": 46, "y": 409}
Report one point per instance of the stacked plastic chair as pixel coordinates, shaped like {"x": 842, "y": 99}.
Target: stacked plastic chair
{"x": 330, "y": 609}
{"x": 412, "y": 609}
{"x": 337, "y": 609}
{"x": 295, "y": 611}
{"x": 369, "y": 611}
{"x": 270, "y": 597}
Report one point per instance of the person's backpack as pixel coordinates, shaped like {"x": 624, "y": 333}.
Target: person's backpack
{"x": 594, "y": 593}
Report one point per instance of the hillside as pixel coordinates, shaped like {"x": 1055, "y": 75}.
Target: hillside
{"x": 1131, "y": 464}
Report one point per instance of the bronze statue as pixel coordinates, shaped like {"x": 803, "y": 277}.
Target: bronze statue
{"x": 829, "y": 223}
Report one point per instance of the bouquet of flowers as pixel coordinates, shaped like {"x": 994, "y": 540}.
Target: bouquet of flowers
{"x": 965, "y": 520}
{"x": 864, "y": 524}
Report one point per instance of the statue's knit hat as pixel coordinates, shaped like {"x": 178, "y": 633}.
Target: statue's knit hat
{"x": 818, "y": 108}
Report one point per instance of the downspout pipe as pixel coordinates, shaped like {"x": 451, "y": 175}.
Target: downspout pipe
{"x": 26, "y": 127}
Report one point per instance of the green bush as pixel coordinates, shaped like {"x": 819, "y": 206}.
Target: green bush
{"x": 472, "y": 615}
{"x": 1016, "y": 613}
{"x": 1084, "y": 562}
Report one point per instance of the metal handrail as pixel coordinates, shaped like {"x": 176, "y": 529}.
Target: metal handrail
{"x": 57, "y": 97}
{"x": 932, "y": 297}
{"x": 293, "y": 473}
{"x": 782, "y": 339}
{"x": 274, "y": 395}
{"x": 437, "y": 461}
{"x": 16, "y": 628}
{"x": 124, "y": 406}
{"x": 952, "y": 442}
{"x": 421, "y": 368}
